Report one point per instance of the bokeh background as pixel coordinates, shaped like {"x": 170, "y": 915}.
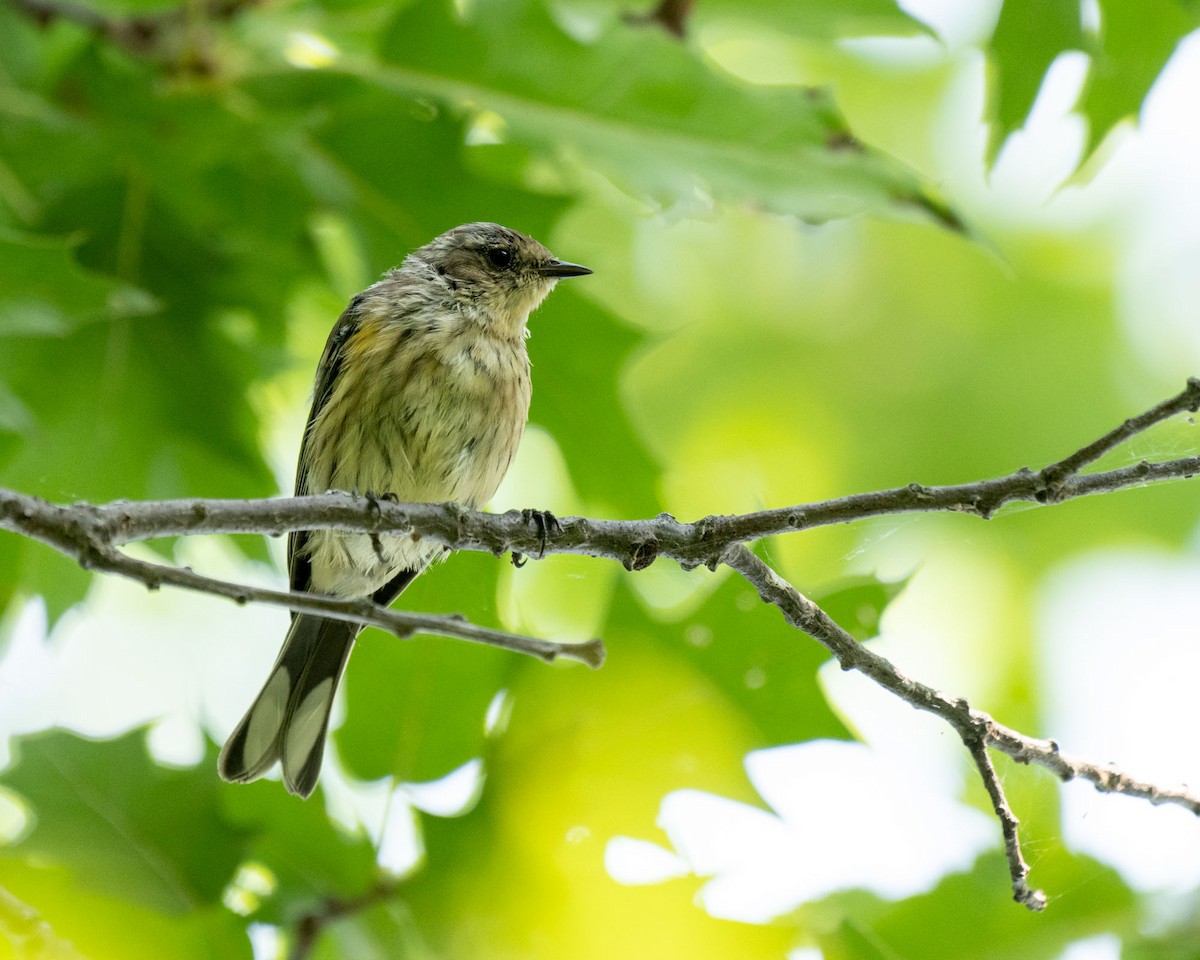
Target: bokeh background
{"x": 839, "y": 245}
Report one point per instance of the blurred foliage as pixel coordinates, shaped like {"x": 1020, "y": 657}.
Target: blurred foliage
{"x": 1126, "y": 52}
{"x": 188, "y": 194}
{"x": 968, "y": 915}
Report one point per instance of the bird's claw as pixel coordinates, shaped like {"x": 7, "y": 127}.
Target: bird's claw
{"x": 546, "y": 524}
{"x": 373, "y": 500}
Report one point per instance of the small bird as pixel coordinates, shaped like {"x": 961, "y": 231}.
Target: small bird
{"x": 422, "y": 394}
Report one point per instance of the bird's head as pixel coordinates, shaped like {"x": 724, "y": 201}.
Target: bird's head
{"x": 499, "y": 272}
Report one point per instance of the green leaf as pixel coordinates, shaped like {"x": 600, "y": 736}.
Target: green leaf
{"x": 164, "y": 195}
{"x": 23, "y": 929}
{"x": 383, "y": 931}
{"x": 765, "y": 669}
{"x": 135, "y": 408}
{"x": 70, "y": 915}
{"x": 587, "y": 755}
{"x": 385, "y": 160}
{"x": 32, "y": 58}
{"x": 138, "y": 414}
{"x": 971, "y": 916}
{"x": 309, "y": 858}
{"x": 858, "y": 604}
{"x": 822, "y": 19}
{"x": 1029, "y": 37}
{"x": 819, "y": 19}
{"x": 640, "y": 107}
{"x": 45, "y": 293}
{"x": 396, "y": 161}
{"x": 1177, "y": 942}
{"x": 123, "y": 825}
{"x": 1135, "y": 42}
{"x": 28, "y": 567}
{"x": 1137, "y": 37}
{"x": 416, "y": 707}
{"x": 579, "y": 355}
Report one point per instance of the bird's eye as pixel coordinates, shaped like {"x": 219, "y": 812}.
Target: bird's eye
{"x": 499, "y": 257}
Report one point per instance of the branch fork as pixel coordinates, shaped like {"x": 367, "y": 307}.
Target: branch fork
{"x": 92, "y": 535}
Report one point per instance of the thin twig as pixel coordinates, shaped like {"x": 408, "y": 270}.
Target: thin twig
{"x": 1106, "y": 779}
{"x": 1188, "y": 399}
{"x": 142, "y": 34}
{"x": 973, "y": 726}
{"x": 96, "y": 555}
{"x": 311, "y": 924}
{"x": 1009, "y": 824}
{"x": 671, "y": 15}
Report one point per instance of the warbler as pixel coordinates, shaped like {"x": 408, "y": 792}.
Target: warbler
{"x": 422, "y": 393}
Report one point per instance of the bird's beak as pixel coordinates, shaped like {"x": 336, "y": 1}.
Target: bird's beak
{"x": 560, "y": 268}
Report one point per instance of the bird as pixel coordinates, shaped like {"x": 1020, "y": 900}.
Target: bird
{"x": 421, "y": 395}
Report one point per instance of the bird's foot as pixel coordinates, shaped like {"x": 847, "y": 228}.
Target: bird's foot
{"x": 546, "y": 524}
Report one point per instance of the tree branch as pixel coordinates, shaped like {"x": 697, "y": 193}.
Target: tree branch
{"x": 671, "y": 15}
{"x": 1018, "y": 869}
{"x": 636, "y": 543}
{"x": 1188, "y": 399}
{"x": 971, "y": 726}
{"x": 310, "y": 926}
{"x": 91, "y": 534}
{"x": 152, "y": 34}
{"x": 93, "y": 553}
{"x": 976, "y": 729}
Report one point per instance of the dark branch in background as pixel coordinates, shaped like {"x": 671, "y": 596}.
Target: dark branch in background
{"x": 151, "y": 35}
{"x": 332, "y": 909}
{"x": 671, "y": 15}
{"x": 91, "y": 534}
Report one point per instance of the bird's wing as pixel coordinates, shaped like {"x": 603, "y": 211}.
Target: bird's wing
{"x": 299, "y": 566}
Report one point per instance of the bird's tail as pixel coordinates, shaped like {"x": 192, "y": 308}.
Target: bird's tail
{"x": 289, "y": 719}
